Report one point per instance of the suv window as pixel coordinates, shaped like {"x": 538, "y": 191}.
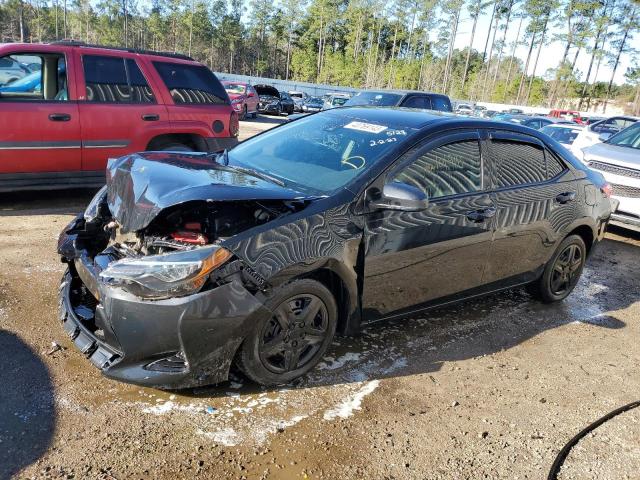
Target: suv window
{"x": 115, "y": 80}
{"x": 441, "y": 104}
{"x": 189, "y": 84}
{"x": 518, "y": 163}
{"x": 33, "y": 77}
{"x": 417, "y": 102}
{"x": 613, "y": 125}
{"x": 446, "y": 170}
{"x": 140, "y": 90}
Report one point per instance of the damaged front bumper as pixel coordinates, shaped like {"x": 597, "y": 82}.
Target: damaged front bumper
{"x": 174, "y": 343}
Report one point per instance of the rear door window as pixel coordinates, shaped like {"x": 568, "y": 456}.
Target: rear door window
{"x": 140, "y": 90}
{"x": 417, "y": 101}
{"x": 517, "y": 163}
{"x": 441, "y": 104}
{"x": 191, "y": 84}
{"x": 115, "y": 80}
{"x": 106, "y": 79}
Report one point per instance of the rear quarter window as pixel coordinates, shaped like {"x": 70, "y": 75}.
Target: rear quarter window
{"x": 191, "y": 84}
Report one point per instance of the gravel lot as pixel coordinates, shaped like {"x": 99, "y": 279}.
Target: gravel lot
{"x": 492, "y": 388}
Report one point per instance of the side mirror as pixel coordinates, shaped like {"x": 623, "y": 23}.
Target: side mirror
{"x": 399, "y": 196}
{"x": 251, "y": 94}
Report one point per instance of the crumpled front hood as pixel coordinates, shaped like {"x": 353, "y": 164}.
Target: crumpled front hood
{"x": 141, "y": 185}
{"x": 613, "y": 154}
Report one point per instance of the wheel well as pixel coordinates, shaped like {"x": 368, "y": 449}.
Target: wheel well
{"x": 337, "y": 287}
{"x": 586, "y": 233}
{"x": 191, "y": 140}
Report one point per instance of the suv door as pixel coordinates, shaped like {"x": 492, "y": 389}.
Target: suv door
{"x": 39, "y": 122}
{"x": 119, "y": 112}
{"x": 535, "y": 196}
{"x": 414, "y": 257}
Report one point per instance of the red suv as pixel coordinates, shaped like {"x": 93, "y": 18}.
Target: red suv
{"x": 91, "y": 103}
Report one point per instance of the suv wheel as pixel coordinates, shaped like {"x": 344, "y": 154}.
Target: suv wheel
{"x": 563, "y": 271}
{"x": 175, "y": 147}
{"x": 288, "y": 344}
{"x": 244, "y": 113}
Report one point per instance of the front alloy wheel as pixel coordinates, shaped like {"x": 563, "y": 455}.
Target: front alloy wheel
{"x": 293, "y": 336}
{"x": 291, "y": 341}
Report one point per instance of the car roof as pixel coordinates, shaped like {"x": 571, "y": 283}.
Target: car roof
{"x": 403, "y": 92}
{"x": 54, "y": 47}
{"x": 420, "y": 119}
{"x": 565, "y": 125}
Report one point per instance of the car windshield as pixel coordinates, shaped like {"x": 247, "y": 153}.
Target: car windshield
{"x": 561, "y": 134}
{"x": 234, "y": 88}
{"x": 296, "y": 94}
{"x": 378, "y": 99}
{"x": 339, "y": 101}
{"x": 314, "y": 100}
{"x": 629, "y": 137}
{"x": 319, "y": 154}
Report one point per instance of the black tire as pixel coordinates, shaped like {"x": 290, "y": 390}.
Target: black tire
{"x": 254, "y": 114}
{"x": 562, "y": 272}
{"x": 278, "y": 350}
{"x": 174, "y": 147}
{"x": 244, "y": 113}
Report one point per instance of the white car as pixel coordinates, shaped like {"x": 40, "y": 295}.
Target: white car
{"x": 600, "y": 131}
{"x": 618, "y": 159}
{"x": 564, "y": 133}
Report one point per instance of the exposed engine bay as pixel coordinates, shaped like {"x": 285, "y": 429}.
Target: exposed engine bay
{"x": 196, "y": 224}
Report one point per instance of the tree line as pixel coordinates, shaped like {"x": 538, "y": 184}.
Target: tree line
{"x": 408, "y": 44}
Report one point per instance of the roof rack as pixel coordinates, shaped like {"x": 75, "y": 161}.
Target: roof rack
{"x": 78, "y": 43}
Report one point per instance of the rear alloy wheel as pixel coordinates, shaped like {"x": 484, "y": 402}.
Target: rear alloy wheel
{"x": 563, "y": 271}
{"x": 244, "y": 113}
{"x": 292, "y": 341}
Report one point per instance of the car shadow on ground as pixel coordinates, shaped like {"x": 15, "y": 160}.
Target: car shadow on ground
{"x": 54, "y": 202}
{"x": 424, "y": 342}
{"x": 261, "y": 118}
{"x": 27, "y": 408}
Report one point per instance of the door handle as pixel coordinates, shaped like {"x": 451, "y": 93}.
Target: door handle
{"x": 59, "y": 117}
{"x": 150, "y": 117}
{"x": 479, "y": 216}
{"x": 565, "y": 197}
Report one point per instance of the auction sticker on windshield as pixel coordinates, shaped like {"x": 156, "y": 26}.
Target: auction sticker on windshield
{"x": 366, "y": 127}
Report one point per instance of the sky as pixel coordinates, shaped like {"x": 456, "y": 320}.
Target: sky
{"x": 549, "y": 56}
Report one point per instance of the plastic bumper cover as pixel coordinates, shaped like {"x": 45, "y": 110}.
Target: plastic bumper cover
{"x": 204, "y": 329}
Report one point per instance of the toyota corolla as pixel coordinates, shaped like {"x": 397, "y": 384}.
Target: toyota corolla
{"x": 186, "y": 263}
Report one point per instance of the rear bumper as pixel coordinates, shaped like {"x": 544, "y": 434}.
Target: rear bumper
{"x": 174, "y": 343}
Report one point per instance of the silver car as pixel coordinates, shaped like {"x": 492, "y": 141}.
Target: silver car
{"x": 618, "y": 159}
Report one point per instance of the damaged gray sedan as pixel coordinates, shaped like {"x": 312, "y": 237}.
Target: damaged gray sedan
{"x": 186, "y": 263}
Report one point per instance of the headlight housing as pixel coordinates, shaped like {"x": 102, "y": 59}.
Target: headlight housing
{"x": 168, "y": 275}
{"x": 93, "y": 209}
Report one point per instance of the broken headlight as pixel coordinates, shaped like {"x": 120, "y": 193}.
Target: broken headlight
{"x": 93, "y": 209}
{"x": 167, "y": 275}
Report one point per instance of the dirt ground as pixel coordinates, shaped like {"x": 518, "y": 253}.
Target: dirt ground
{"x": 491, "y": 388}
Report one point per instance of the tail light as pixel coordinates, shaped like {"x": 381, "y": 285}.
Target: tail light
{"x": 234, "y": 125}
{"x": 607, "y": 190}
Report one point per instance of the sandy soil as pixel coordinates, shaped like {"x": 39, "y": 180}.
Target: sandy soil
{"x": 491, "y": 388}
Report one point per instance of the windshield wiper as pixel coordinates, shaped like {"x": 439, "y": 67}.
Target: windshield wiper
{"x": 257, "y": 173}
